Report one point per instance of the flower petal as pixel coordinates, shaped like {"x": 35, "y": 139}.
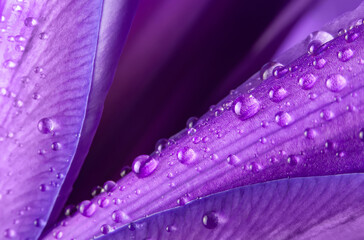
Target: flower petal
{"x": 48, "y": 51}
{"x": 305, "y": 119}
{"x": 327, "y": 207}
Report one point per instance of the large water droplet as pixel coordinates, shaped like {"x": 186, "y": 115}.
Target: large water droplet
{"x": 267, "y": 70}
{"x": 336, "y": 82}
{"x": 277, "y": 94}
{"x": 283, "y": 119}
{"x": 345, "y": 54}
{"x": 246, "y": 107}
{"x": 210, "y": 220}
{"x": 144, "y": 165}
{"x": 30, "y": 22}
{"x": 233, "y": 160}
{"x": 87, "y": 208}
{"x": 307, "y": 81}
{"x": 45, "y": 125}
{"x": 317, "y": 40}
{"x": 186, "y": 155}
{"x": 119, "y": 216}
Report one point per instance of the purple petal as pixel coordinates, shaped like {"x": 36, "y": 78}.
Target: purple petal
{"x": 315, "y": 129}
{"x": 327, "y": 207}
{"x": 48, "y": 52}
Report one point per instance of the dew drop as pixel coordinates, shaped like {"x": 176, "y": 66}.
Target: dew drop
{"x": 307, "y": 81}
{"x": 277, "y": 94}
{"x": 10, "y": 233}
{"x": 45, "y": 125}
{"x": 210, "y": 220}
{"x": 30, "y": 22}
{"x": 103, "y": 202}
{"x": 105, "y": 229}
{"x": 336, "y": 82}
{"x": 361, "y": 134}
{"x": 39, "y": 222}
{"x": 119, "y": 216}
{"x": 280, "y": 71}
{"x": 327, "y": 115}
{"x": 87, "y": 208}
{"x": 267, "y": 70}
{"x": 43, "y": 36}
{"x": 144, "y": 165}
{"x": 70, "y": 210}
{"x": 293, "y": 160}
{"x": 319, "y": 63}
{"x": 345, "y": 54}
{"x": 124, "y": 171}
{"x": 233, "y": 160}
{"x": 186, "y": 155}
{"x": 58, "y": 235}
{"x": 109, "y": 186}
{"x": 56, "y": 146}
{"x": 96, "y": 191}
{"x": 283, "y": 119}
{"x": 191, "y": 122}
{"x": 317, "y": 41}
{"x": 351, "y": 37}
{"x": 9, "y": 64}
{"x": 161, "y": 144}
{"x": 310, "y": 133}
{"x": 246, "y": 107}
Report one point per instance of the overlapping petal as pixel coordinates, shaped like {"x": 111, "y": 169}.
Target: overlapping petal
{"x": 303, "y": 118}
{"x": 49, "y": 55}
{"x": 327, "y": 207}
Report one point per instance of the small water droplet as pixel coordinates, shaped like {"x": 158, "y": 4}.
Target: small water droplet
{"x": 331, "y": 145}
{"x": 186, "y": 155}
{"x": 312, "y": 96}
{"x": 319, "y": 63}
{"x": 10, "y": 233}
{"x": 283, "y": 119}
{"x": 161, "y": 144}
{"x": 307, "y": 81}
{"x": 310, "y": 133}
{"x": 277, "y": 94}
{"x": 43, "y": 36}
{"x": 87, "y": 208}
{"x": 210, "y": 220}
{"x": 56, "y": 146}
{"x": 39, "y": 222}
{"x": 103, "y": 202}
{"x": 351, "y": 37}
{"x": 30, "y": 22}
{"x": 246, "y": 107}
{"x": 58, "y": 235}
{"x": 293, "y": 160}
{"x": 105, "y": 229}
{"x": 327, "y": 114}
{"x": 280, "y": 71}
{"x": 317, "y": 41}
{"x": 96, "y": 191}
{"x": 233, "y": 160}
{"x": 110, "y": 186}
{"x": 124, "y": 171}
{"x": 9, "y": 64}
{"x": 119, "y": 216}
{"x": 45, "y": 125}
{"x": 361, "y": 134}
{"x": 43, "y": 187}
{"x": 144, "y": 165}
{"x": 345, "y": 54}
{"x": 191, "y": 122}
{"x": 336, "y": 82}
{"x": 267, "y": 70}
{"x": 70, "y": 210}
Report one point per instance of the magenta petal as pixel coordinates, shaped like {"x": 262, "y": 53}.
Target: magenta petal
{"x": 48, "y": 51}
{"x": 319, "y": 208}
{"x": 315, "y": 129}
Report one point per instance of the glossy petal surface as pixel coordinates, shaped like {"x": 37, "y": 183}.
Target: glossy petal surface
{"x": 47, "y": 58}
{"x": 317, "y": 208}
{"x": 315, "y": 129}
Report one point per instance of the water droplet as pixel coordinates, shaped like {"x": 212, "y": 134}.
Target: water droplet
{"x": 131, "y": 227}
{"x": 312, "y": 96}
{"x": 161, "y": 144}
{"x": 58, "y": 235}
{"x": 319, "y": 63}
{"x": 10, "y": 233}
{"x": 70, "y": 210}
{"x": 331, "y": 145}
{"x": 277, "y": 94}
{"x": 254, "y": 167}
{"x": 280, "y": 71}
{"x": 96, "y": 191}
{"x": 336, "y": 82}
{"x": 214, "y": 157}
{"x": 119, "y": 216}
{"x": 43, "y": 187}
{"x": 43, "y": 36}
{"x": 283, "y": 119}
{"x": 264, "y": 124}
{"x": 293, "y": 160}
{"x": 210, "y": 220}
{"x": 345, "y": 54}
{"x": 45, "y": 125}
{"x": 56, "y": 146}
{"x": 327, "y": 114}
{"x": 191, "y": 122}
{"x": 9, "y": 64}
{"x": 109, "y": 186}
{"x": 144, "y": 165}
{"x": 171, "y": 228}
{"x": 317, "y": 41}
{"x": 186, "y": 155}
{"x": 246, "y": 107}
{"x": 350, "y": 37}
{"x": 39, "y": 222}
{"x": 103, "y": 202}
{"x": 307, "y": 81}
{"x": 233, "y": 160}
{"x": 30, "y": 22}
{"x": 87, "y": 208}
{"x": 124, "y": 171}
{"x": 310, "y": 133}
{"x": 105, "y": 229}
{"x": 267, "y": 70}
{"x": 361, "y": 134}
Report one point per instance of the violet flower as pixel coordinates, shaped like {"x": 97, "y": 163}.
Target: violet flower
{"x": 300, "y": 116}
